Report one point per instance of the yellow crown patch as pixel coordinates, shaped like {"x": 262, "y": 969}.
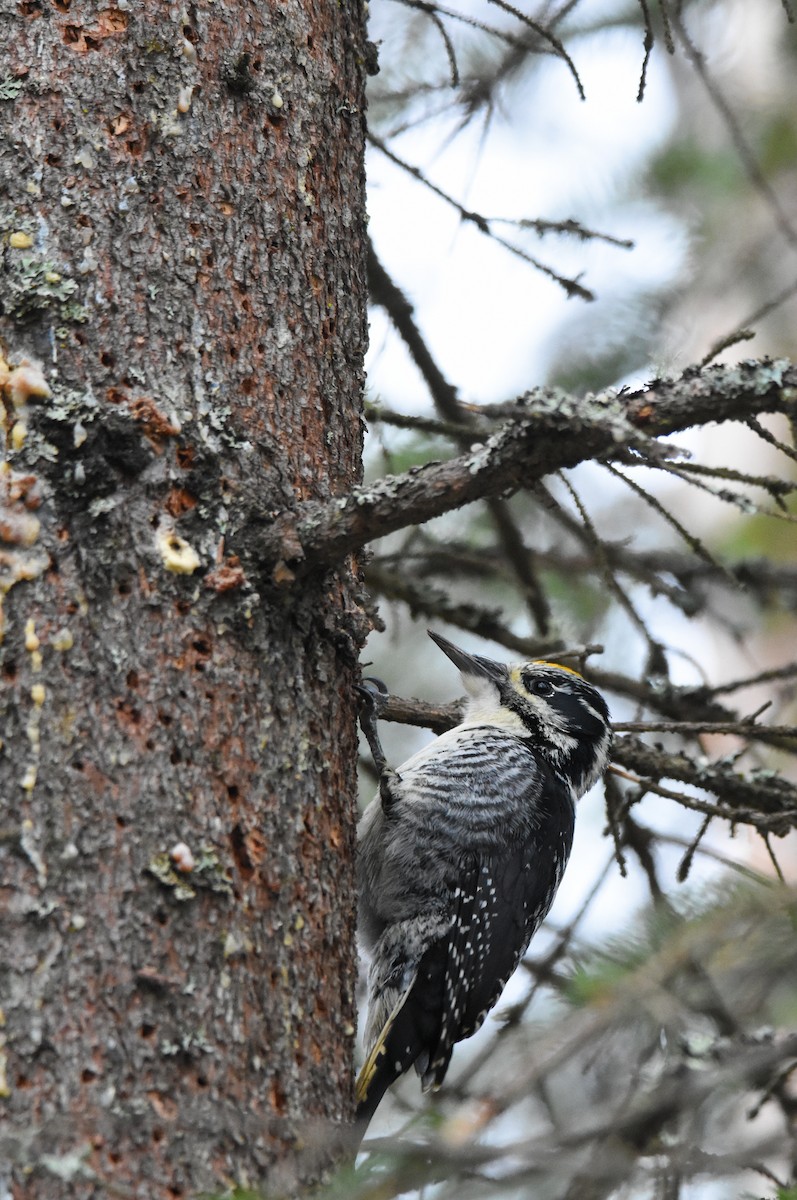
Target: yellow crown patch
{"x": 514, "y": 674}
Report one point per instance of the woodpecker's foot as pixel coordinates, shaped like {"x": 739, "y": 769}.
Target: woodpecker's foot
{"x": 388, "y": 788}
{"x": 373, "y": 695}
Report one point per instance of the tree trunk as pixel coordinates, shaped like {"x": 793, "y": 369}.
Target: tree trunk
{"x": 182, "y": 241}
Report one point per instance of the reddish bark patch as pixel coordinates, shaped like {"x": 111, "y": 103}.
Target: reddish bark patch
{"x": 179, "y": 501}
{"x": 227, "y": 576}
{"x": 276, "y": 1097}
{"x": 156, "y": 425}
{"x": 109, "y": 22}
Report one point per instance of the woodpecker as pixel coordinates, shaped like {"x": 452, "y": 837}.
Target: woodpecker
{"x": 460, "y": 855}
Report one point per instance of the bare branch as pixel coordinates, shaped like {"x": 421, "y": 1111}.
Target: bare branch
{"x": 742, "y": 728}
{"x": 550, "y": 430}
{"x": 761, "y": 799}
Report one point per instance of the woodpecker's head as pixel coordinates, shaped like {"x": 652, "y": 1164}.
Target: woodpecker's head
{"x": 553, "y": 707}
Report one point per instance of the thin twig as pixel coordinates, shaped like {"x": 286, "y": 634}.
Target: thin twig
{"x": 546, "y": 35}
{"x": 788, "y": 671}
{"x": 567, "y": 228}
{"x": 615, "y": 811}
{"x": 606, "y": 570}
{"x": 776, "y": 487}
{"x": 464, "y": 19}
{"x": 685, "y": 865}
{"x": 571, "y": 286}
{"x": 378, "y": 414}
{"x": 757, "y": 315}
{"x": 648, "y": 48}
{"x": 743, "y": 334}
{"x": 437, "y": 21}
{"x": 770, "y": 438}
{"x": 385, "y": 292}
{"x": 672, "y": 839}
{"x": 693, "y": 542}
{"x": 743, "y": 503}
{"x": 737, "y": 816}
{"x": 667, "y": 26}
{"x": 522, "y": 563}
{"x": 773, "y": 859}
{"x": 742, "y": 728}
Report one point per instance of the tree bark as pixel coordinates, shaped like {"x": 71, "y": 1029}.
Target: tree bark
{"x": 183, "y": 252}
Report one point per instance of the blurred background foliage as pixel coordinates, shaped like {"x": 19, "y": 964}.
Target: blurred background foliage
{"x": 591, "y": 194}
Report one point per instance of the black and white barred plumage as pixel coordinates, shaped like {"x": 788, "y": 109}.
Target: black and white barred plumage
{"x": 460, "y": 856}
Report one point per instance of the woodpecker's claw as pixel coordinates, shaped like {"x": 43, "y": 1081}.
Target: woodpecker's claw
{"x": 373, "y": 695}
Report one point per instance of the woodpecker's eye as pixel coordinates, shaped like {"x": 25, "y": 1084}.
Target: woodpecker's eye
{"x": 541, "y": 687}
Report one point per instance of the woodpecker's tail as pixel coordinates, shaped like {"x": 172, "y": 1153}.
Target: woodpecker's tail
{"x": 369, "y": 1098}
{"x": 381, "y": 1067}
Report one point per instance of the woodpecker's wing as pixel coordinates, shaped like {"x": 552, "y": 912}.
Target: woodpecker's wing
{"x": 501, "y": 899}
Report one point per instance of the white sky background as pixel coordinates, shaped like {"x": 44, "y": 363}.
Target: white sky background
{"x": 491, "y": 321}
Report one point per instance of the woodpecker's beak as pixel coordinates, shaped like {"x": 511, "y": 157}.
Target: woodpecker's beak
{"x": 469, "y": 664}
